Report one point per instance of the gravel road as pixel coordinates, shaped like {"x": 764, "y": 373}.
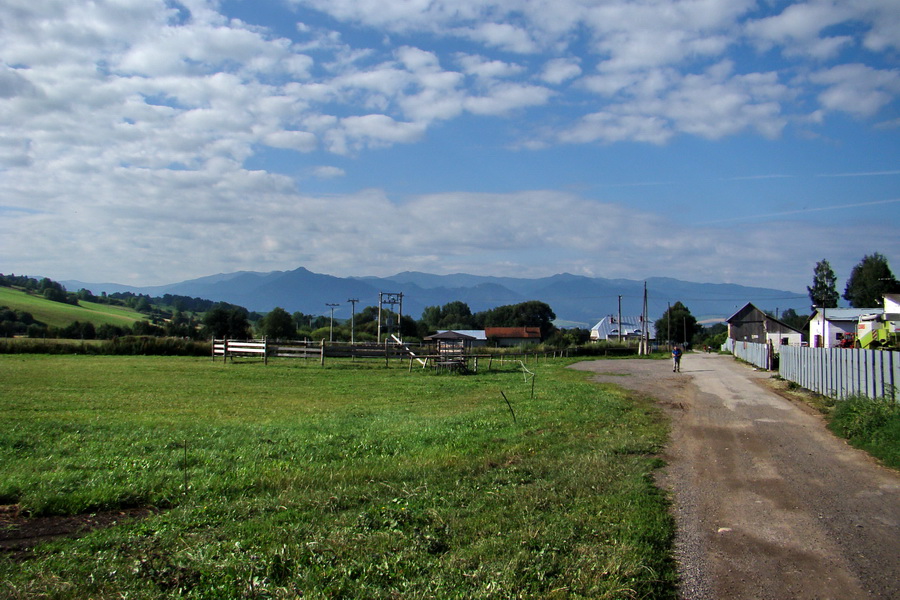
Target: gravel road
{"x": 768, "y": 503}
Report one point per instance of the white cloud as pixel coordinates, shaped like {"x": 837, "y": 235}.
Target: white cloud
{"x": 857, "y": 89}
{"x": 504, "y": 97}
{"x": 558, "y": 70}
{"x": 372, "y": 131}
{"x": 502, "y": 35}
{"x": 661, "y": 104}
{"x": 125, "y": 126}
{"x": 206, "y": 216}
{"x": 302, "y": 141}
{"x": 799, "y": 26}
{"x": 488, "y": 69}
{"x": 328, "y": 172}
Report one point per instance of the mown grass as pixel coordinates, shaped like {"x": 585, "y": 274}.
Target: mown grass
{"x": 59, "y": 314}
{"x": 870, "y": 424}
{"x": 349, "y": 481}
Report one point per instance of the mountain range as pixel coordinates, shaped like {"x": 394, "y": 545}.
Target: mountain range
{"x": 576, "y": 300}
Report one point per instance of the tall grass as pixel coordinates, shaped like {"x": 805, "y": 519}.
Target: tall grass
{"x": 870, "y": 424}
{"x": 352, "y": 481}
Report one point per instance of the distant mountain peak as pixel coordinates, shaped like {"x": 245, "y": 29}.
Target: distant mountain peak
{"x": 574, "y": 298}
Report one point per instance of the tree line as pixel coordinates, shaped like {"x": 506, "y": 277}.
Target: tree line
{"x": 279, "y": 324}
{"x": 869, "y": 281}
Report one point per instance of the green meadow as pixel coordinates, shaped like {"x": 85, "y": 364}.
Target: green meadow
{"x": 291, "y": 480}
{"x": 58, "y": 314}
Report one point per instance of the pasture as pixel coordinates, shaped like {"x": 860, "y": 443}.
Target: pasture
{"x": 58, "y": 314}
{"x": 349, "y": 481}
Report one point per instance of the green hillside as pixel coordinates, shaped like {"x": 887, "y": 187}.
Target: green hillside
{"x": 57, "y": 314}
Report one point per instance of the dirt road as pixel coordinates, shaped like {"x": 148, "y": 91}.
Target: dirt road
{"x": 768, "y": 503}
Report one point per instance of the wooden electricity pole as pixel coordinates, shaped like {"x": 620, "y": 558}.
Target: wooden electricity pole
{"x": 352, "y": 302}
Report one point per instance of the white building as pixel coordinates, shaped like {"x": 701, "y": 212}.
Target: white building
{"x": 828, "y": 326}
{"x": 609, "y": 328}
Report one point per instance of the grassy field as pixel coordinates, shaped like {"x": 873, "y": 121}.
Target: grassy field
{"x": 349, "y": 481}
{"x": 58, "y": 314}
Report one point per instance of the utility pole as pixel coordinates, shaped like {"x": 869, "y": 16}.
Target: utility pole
{"x": 390, "y": 298}
{"x": 620, "y": 319}
{"x": 645, "y": 327}
{"x": 669, "y": 325}
{"x": 331, "y": 333}
{"x": 352, "y": 302}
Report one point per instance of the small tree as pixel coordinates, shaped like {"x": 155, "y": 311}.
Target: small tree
{"x": 278, "y": 324}
{"x": 677, "y": 325}
{"x": 869, "y": 281}
{"x": 222, "y": 322}
{"x": 823, "y": 292}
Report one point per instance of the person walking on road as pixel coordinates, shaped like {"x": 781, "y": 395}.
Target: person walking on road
{"x": 676, "y": 357}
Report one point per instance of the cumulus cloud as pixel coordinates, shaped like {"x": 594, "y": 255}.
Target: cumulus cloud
{"x": 130, "y": 126}
{"x": 559, "y": 70}
{"x": 328, "y": 172}
{"x": 857, "y": 89}
{"x": 179, "y": 214}
{"x": 711, "y": 105}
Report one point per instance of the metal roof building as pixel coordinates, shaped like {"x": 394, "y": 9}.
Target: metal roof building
{"x": 631, "y": 327}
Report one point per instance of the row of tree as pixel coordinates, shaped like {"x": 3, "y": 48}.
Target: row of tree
{"x": 869, "y": 281}
{"x": 235, "y": 322}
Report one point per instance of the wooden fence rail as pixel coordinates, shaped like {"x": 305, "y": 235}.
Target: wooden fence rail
{"x": 395, "y": 349}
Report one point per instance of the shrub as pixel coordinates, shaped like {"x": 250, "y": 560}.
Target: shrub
{"x": 870, "y": 424}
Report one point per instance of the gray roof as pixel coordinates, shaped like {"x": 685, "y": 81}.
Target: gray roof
{"x": 609, "y": 327}
{"x": 846, "y": 314}
{"x": 477, "y": 334}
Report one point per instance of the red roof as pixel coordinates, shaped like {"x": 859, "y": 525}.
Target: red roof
{"x": 513, "y": 332}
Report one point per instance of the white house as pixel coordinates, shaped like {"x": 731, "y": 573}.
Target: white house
{"x": 828, "y": 326}
{"x": 609, "y": 328}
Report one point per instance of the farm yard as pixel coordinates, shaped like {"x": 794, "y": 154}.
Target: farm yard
{"x": 351, "y": 480}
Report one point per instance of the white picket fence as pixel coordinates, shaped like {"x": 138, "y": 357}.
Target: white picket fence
{"x": 834, "y": 372}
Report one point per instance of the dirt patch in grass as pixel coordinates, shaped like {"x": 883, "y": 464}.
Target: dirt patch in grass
{"x": 19, "y": 534}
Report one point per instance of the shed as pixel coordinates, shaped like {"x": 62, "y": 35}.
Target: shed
{"x": 513, "y": 336}
{"x": 451, "y": 342}
{"x": 750, "y": 324}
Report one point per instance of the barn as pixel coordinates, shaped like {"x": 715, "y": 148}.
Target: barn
{"x": 750, "y": 324}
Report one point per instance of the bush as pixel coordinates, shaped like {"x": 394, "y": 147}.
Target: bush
{"x": 870, "y": 424}
{"x": 122, "y": 346}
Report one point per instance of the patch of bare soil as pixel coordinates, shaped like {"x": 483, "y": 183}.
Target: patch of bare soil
{"x": 19, "y": 533}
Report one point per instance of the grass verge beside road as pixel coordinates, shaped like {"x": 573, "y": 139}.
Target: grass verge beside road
{"x": 352, "y": 481}
{"x": 872, "y": 425}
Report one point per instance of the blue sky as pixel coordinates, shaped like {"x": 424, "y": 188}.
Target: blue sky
{"x": 145, "y": 142}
